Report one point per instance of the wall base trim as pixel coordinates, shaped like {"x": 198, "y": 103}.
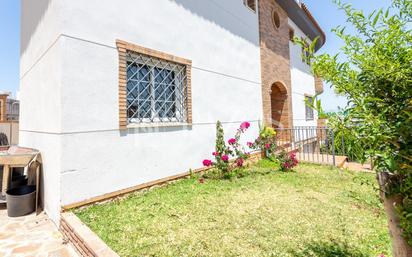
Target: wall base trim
{"x": 253, "y": 158}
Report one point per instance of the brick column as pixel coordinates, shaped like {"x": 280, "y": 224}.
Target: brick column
{"x": 3, "y": 107}
{"x": 275, "y": 62}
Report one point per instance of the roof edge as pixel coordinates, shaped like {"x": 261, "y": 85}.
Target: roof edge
{"x": 304, "y": 19}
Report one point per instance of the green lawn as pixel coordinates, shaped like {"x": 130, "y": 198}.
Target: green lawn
{"x": 315, "y": 211}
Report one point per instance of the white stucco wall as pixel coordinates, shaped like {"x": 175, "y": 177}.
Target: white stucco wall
{"x": 39, "y": 93}
{"x": 222, "y": 41}
{"x": 40, "y": 29}
{"x": 70, "y": 97}
{"x": 303, "y": 81}
{"x": 69, "y": 88}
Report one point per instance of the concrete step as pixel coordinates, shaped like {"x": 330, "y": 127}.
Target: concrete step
{"x": 322, "y": 159}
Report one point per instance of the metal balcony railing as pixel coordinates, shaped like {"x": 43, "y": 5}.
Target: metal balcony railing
{"x": 311, "y": 144}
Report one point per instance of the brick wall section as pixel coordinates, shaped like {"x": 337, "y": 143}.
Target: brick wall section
{"x": 85, "y": 241}
{"x": 318, "y": 85}
{"x": 322, "y": 123}
{"x": 3, "y": 107}
{"x": 121, "y": 47}
{"x": 275, "y": 63}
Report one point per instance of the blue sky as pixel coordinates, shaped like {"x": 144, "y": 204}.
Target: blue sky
{"x": 329, "y": 17}
{"x": 324, "y": 11}
{"x": 9, "y": 44}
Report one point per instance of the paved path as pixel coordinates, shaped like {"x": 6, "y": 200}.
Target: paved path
{"x": 31, "y": 235}
{"x": 322, "y": 159}
{"x": 359, "y": 167}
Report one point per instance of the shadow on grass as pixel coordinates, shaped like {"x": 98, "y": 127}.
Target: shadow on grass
{"x": 328, "y": 249}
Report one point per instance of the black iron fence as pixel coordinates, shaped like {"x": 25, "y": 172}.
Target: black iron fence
{"x": 311, "y": 144}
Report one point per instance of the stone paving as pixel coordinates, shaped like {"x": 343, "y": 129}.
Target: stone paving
{"x": 359, "y": 167}
{"x": 31, "y": 235}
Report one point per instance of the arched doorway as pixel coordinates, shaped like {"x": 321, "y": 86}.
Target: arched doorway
{"x": 279, "y": 105}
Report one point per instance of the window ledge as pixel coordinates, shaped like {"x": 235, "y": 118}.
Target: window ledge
{"x": 158, "y": 125}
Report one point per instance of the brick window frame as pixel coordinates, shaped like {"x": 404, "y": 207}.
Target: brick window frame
{"x": 123, "y": 47}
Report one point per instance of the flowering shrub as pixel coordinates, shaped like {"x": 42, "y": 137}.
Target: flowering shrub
{"x": 223, "y": 151}
{"x": 266, "y": 142}
{"x": 287, "y": 161}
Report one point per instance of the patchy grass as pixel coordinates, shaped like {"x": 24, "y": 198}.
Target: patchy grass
{"x": 315, "y": 211}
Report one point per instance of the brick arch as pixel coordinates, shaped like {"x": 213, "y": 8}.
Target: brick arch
{"x": 280, "y": 86}
{"x": 279, "y": 105}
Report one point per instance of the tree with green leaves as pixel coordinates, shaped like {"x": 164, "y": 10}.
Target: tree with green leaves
{"x": 376, "y": 78}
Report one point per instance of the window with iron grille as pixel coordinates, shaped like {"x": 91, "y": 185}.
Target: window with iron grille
{"x": 309, "y": 111}
{"x": 157, "y": 90}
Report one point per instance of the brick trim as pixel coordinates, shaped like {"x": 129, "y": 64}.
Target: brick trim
{"x": 84, "y": 240}
{"x": 318, "y": 85}
{"x": 254, "y": 157}
{"x": 123, "y": 47}
{"x": 3, "y": 107}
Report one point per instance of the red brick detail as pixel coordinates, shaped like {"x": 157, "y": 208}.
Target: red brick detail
{"x": 275, "y": 65}
{"x": 279, "y": 107}
{"x": 318, "y": 85}
{"x": 85, "y": 241}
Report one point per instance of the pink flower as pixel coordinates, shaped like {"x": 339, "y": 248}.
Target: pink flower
{"x": 267, "y": 146}
{"x": 215, "y": 154}
{"x": 249, "y": 144}
{"x": 245, "y": 125}
{"x": 232, "y": 141}
{"x": 225, "y": 158}
{"x": 239, "y": 162}
{"x": 207, "y": 163}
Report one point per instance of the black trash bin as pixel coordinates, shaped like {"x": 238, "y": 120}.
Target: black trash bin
{"x": 21, "y": 201}
{"x": 18, "y": 181}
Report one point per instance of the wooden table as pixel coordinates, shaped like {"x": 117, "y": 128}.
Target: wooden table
{"x": 15, "y": 156}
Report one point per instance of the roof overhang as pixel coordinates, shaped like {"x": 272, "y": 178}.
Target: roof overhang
{"x": 302, "y": 17}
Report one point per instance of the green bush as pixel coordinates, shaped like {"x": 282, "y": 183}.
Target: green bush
{"x": 375, "y": 77}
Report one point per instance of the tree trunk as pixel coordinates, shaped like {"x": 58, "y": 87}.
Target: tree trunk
{"x": 400, "y": 247}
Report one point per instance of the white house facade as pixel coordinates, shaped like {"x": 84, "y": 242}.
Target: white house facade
{"x": 119, "y": 93}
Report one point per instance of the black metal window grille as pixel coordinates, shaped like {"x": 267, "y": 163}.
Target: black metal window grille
{"x": 156, "y": 90}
